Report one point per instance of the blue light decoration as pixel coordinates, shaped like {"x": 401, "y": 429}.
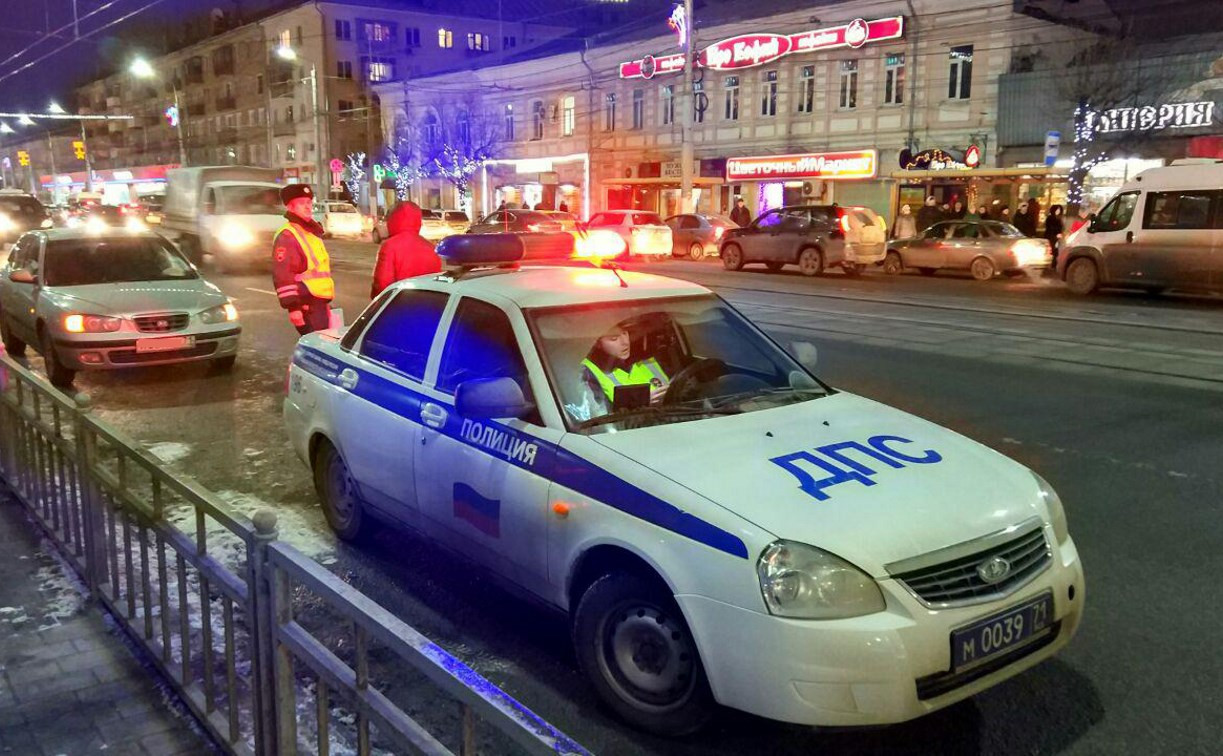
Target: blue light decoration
{"x": 402, "y": 173}
{"x": 172, "y": 116}
{"x": 678, "y": 23}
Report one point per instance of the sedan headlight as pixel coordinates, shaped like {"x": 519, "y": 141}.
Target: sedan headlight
{"x": 236, "y": 236}
{"x": 91, "y": 324}
{"x": 804, "y": 582}
{"x": 225, "y": 313}
{"x": 1057, "y": 513}
{"x": 6, "y": 223}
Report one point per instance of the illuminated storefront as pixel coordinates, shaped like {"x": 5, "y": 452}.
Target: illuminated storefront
{"x": 770, "y": 181}
{"x": 117, "y": 186}
{"x": 549, "y": 183}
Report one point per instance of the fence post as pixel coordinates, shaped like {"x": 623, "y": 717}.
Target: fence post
{"x": 263, "y": 629}
{"x": 92, "y": 520}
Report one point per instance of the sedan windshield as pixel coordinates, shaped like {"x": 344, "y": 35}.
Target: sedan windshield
{"x": 623, "y": 365}
{"x": 998, "y": 228}
{"x": 115, "y": 259}
{"x": 250, "y": 200}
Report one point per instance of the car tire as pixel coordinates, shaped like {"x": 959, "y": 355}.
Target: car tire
{"x": 982, "y": 268}
{"x": 810, "y": 262}
{"x": 927, "y": 271}
{"x": 893, "y": 265}
{"x": 336, "y": 491}
{"x": 223, "y": 364}
{"x": 634, "y": 646}
{"x": 13, "y": 345}
{"x": 1082, "y": 276}
{"x": 732, "y": 257}
{"x": 61, "y": 377}
{"x": 696, "y": 252}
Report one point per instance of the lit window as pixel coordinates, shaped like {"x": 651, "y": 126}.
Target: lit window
{"x": 377, "y": 31}
{"x": 731, "y": 111}
{"x": 959, "y": 82}
{"x": 380, "y": 69}
{"x": 568, "y": 116}
{"x": 477, "y": 41}
{"x": 668, "y": 104}
{"x": 537, "y": 120}
{"x": 609, "y": 112}
{"x": 894, "y": 79}
{"x": 291, "y": 152}
{"x": 768, "y": 94}
{"x": 508, "y": 119}
{"x": 445, "y": 38}
{"x": 806, "y": 90}
{"x": 638, "y": 108}
{"x": 849, "y": 85}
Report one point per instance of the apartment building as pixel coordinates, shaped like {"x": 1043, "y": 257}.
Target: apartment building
{"x": 863, "y": 104}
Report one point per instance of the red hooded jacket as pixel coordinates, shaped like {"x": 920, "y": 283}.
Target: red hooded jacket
{"x": 406, "y": 253}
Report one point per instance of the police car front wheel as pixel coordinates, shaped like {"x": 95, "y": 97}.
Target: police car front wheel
{"x": 634, "y": 645}
{"x": 338, "y": 494}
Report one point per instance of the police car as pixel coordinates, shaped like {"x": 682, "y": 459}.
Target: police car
{"x": 749, "y": 536}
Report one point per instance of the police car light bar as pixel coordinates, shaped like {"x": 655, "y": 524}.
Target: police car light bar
{"x": 485, "y": 250}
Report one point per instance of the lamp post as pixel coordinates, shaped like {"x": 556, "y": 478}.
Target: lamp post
{"x": 322, "y": 189}
{"x": 142, "y": 69}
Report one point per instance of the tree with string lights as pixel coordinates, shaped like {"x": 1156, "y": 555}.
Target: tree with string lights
{"x": 453, "y": 141}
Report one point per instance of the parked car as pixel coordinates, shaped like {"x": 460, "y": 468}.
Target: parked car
{"x": 90, "y": 301}
{"x": 643, "y": 232}
{"x": 1163, "y": 230}
{"x": 813, "y": 237}
{"x": 339, "y": 219}
{"x": 984, "y": 248}
{"x": 694, "y": 235}
{"x": 20, "y": 212}
{"x": 518, "y": 222}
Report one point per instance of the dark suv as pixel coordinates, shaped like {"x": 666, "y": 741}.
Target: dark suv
{"x": 813, "y": 237}
{"x": 20, "y": 212}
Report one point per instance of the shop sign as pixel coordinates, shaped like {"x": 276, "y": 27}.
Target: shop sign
{"x": 861, "y": 164}
{"x": 748, "y": 50}
{"x": 674, "y": 169}
{"x": 1177, "y": 115}
{"x": 940, "y": 160}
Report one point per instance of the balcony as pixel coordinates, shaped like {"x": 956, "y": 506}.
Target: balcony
{"x": 226, "y": 103}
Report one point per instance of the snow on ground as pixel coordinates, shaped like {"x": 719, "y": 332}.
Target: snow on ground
{"x": 292, "y": 526}
{"x": 170, "y": 451}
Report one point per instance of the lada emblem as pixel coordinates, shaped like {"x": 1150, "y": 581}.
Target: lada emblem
{"x": 994, "y": 569}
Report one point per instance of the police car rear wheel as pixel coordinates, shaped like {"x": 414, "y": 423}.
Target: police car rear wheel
{"x": 338, "y": 495}
{"x": 633, "y": 644}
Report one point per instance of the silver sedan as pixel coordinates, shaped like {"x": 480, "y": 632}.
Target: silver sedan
{"x": 983, "y": 248}
{"x": 111, "y": 300}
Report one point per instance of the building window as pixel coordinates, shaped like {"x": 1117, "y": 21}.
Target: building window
{"x": 667, "y": 94}
{"x": 291, "y": 152}
{"x": 478, "y": 41}
{"x": 806, "y": 90}
{"x": 959, "y": 83}
{"x": 343, "y": 29}
{"x": 445, "y": 39}
{"x": 638, "y": 109}
{"x": 431, "y": 130}
{"x": 569, "y": 115}
{"x": 768, "y": 93}
{"x": 849, "y": 85}
{"x": 508, "y": 42}
{"x": 894, "y": 79}
{"x": 289, "y": 114}
{"x": 258, "y": 83}
{"x": 508, "y": 119}
{"x": 411, "y": 36}
{"x": 377, "y": 31}
{"x": 609, "y": 112}
{"x": 699, "y": 102}
{"x": 537, "y": 120}
{"x": 731, "y": 111}
{"x": 286, "y": 39}
{"x": 344, "y": 107}
{"x": 343, "y": 69}
{"x": 462, "y": 128}
{"x": 379, "y": 69}
{"x": 297, "y": 36}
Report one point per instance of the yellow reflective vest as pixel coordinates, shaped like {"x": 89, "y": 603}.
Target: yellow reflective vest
{"x": 644, "y": 371}
{"x": 317, "y": 275}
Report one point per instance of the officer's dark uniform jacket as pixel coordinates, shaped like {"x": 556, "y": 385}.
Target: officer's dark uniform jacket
{"x": 301, "y": 271}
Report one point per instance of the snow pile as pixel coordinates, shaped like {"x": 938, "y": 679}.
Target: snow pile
{"x": 170, "y": 451}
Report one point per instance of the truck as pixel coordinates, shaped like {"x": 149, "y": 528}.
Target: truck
{"x": 225, "y": 214}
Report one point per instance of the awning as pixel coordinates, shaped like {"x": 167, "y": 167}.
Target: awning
{"x": 983, "y": 173}
{"x": 696, "y": 181}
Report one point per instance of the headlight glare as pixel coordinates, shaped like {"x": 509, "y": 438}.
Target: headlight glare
{"x": 1057, "y": 513}
{"x": 220, "y": 314}
{"x": 236, "y": 236}
{"x": 91, "y": 324}
{"x": 804, "y": 582}
{"x": 6, "y": 223}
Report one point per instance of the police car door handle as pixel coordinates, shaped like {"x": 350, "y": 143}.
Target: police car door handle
{"x": 349, "y": 378}
{"x": 432, "y": 415}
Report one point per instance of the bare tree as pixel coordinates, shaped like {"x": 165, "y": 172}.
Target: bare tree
{"x": 453, "y": 139}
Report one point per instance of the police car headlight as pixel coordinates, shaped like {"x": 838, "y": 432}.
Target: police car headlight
{"x": 235, "y": 236}
{"x": 804, "y": 582}
{"x": 1057, "y": 513}
{"x": 225, "y": 313}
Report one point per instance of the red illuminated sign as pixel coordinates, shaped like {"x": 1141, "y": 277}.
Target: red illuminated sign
{"x": 859, "y": 164}
{"x": 748, "y": 50}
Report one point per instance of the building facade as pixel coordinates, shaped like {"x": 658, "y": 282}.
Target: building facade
{"x": 871, "y": 109}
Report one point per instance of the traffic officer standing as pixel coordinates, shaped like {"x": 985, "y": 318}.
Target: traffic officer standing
{"x": 302, "y": 272}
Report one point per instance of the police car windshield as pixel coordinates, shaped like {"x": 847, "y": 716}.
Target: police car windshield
{"x": 687, "y": 358}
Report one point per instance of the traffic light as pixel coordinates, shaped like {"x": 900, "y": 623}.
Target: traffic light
{"x": 23, "y": 158}
{"x": 78, "y": 149}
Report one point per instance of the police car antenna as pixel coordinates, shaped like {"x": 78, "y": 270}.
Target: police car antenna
{"x": 615, "y": 269}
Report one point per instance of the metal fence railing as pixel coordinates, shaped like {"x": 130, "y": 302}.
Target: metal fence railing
{"x": 223, "y": 608}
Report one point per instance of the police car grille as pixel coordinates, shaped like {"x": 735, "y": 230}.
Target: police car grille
{"x": 957, "y": 582}
{"x": 161, "y": 323}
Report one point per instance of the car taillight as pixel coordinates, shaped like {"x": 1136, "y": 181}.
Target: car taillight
{"x": 845, "y": 223}
{"x": 718, "y": 231}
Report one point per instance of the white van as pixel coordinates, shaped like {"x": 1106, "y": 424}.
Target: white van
{"x": 1163, "y": 230}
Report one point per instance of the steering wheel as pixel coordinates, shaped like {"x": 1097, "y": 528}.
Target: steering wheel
{"x": 687, "y": 377}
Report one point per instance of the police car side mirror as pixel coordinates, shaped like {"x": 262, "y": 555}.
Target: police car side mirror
{"x": 805, "y": 354}
{"x": 489, "y": 398}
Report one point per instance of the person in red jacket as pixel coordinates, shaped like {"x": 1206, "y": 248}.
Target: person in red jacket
{"x": 301, "y": 270}
{"x": 405, "y": 253}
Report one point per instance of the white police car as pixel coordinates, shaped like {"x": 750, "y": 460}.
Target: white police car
{"x": 753, "y": 538}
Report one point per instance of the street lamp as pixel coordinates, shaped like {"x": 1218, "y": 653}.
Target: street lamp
{"x": 284, "y": 52}
{"x": 25, "y": 120}
{"x": 142, "y": 69}
{"x": 5, "y": 128}
{"x": 55, "y": 108}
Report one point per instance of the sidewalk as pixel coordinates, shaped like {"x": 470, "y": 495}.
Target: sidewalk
{"x": 69, "y": 682}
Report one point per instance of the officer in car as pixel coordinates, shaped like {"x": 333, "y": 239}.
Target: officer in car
{"x": 607, "y": 366}
{"x": 302, "y": 270}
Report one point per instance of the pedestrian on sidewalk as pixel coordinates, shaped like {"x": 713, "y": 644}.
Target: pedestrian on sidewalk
{"x": 405, "y": 253}
{"x": 1023, "y": 221}
{"x": 302, "y": 268}
{"x": 958, "y": 211}
{"x": 905, "y": 226}
{"x": 740, "y": 214}
{"x": 928, "y": 215}
{"x": 1054, "y": 226}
